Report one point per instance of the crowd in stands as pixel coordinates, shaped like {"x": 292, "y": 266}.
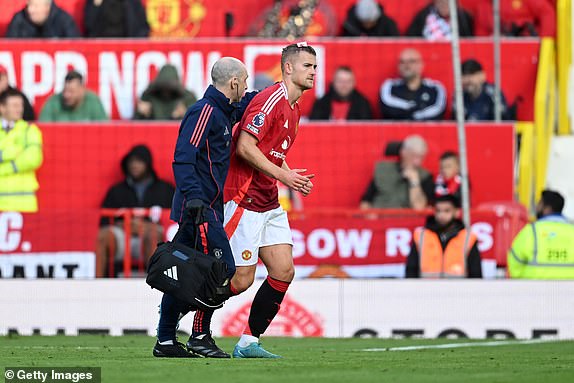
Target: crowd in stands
{"x": 410, "y": 96}
{"x": 366, "y": 18}
{"x": 405, "y": 183}
{"x": 443, "y": 247}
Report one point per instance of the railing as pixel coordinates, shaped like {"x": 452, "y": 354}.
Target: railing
{"x": 127, "y": 216}
{"x": 374, "y": 238}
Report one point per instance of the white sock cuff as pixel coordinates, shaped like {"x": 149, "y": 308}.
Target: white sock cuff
{"x": 246, "y": 340}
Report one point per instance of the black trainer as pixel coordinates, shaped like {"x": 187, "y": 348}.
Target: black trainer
{"x": 205, "y": 347}
{"x": 176, "y": 350}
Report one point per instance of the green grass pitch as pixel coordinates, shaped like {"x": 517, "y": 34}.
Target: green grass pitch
{"x": 128, "y": 359}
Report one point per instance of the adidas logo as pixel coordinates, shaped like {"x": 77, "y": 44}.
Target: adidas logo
{"x": 171, "y": 272}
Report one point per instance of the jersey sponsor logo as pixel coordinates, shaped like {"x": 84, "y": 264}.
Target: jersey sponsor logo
{"x": 252, "y": 129}
{"x": 286, "y": 143}
{"x": 246, "y": 255}
{"x": 277, "y": 154}
{"x": 258, "y": 120}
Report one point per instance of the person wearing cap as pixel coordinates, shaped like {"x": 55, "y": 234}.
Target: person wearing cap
{"x": 544, "y": 249}
{"x": 75, "y": 103}
{"x": 29, "y": 114}
{"x": 367, "y": 19}
{"x": 412, "y": 97}
{"x": 478, "y": 95}
{"x": 444, "y": 248}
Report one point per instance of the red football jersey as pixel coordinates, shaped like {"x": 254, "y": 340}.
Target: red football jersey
{"x": 271, "y": 119}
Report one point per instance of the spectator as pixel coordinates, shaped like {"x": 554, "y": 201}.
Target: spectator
{"x": 527, "y": 18}
{"x": 403, "y": 184}
{"x": 75, "y": 103}
{"x": 42, "y": 19}
{"x": 544, "y": 249}
{"x": 412, "y": 97}
{"x": 343, "y": 101}
{"x": 115, "y": 18}
{"x": 367, "y": 18}
{"x": 20, "y": 155}
{"x": 433, "y": 22}
{"x": 448, "y": 180}
{"x": 444, "y": 248}
{"x": 29, "y": 114}
{"x": 140, "y": 188}
{"x": 165, "y": 98}
{"x": 478, "y": 95}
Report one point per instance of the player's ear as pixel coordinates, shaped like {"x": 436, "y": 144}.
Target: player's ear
{"x": 288, "y": 67}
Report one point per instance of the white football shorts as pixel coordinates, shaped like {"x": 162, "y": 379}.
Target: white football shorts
{"x": 249, "y": 230}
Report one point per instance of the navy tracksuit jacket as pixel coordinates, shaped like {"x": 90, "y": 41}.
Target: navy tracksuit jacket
{"x": 200, "y": 166}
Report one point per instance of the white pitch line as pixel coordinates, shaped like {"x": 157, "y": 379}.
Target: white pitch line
{"x": 64, "y": 346}
{"x": 460, "y": 345}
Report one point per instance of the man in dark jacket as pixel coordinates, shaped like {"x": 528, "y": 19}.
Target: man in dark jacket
{"x": 412, "y": 97}
{"x": 342, "y": 101}
{"x": 200, "y": 166}
{"x": 165, "y": 98}
{"x": 42, "y": 19}
{"x": 478, "y": 95}
{"x": 432, "y": 22}
{"x": 29, "y": 114}
{"x": 140, "y": 188}
{"x": 444, "y": 248}
{"x": 367, "y": 19}
{"x": 115, "y": 18}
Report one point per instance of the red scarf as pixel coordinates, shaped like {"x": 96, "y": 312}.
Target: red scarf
{"x": 446, "y": 186}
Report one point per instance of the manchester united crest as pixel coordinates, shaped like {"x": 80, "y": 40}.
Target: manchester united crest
{"x": 246, "y": 255}
{"x": 175, "y": 18}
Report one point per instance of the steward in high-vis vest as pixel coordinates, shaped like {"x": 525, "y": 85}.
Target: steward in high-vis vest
{"x": 20, "y": 156}
{"x": 444, "y": 248}
{"x": 544, "y": 249}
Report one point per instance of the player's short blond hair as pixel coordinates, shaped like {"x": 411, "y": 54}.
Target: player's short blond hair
{"x": 294, "y": 49}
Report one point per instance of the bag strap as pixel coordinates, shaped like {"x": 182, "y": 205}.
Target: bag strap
{"x": 181, "y": 227}
{"x": 184, "y": 223}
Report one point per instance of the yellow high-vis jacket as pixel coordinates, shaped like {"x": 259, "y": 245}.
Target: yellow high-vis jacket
{"x": 20, "y": 156}
{"x": 543, "y": 250}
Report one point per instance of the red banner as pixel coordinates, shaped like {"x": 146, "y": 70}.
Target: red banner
{"x": 120, "y": 70}
{"x": 345, "y": 242}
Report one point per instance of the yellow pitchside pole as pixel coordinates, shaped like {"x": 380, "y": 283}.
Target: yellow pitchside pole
{"x": 544, "y": 110}
{"x": 564, "y": 36}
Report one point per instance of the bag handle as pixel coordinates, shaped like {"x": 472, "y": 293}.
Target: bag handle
{"x": 181, "y": 227}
